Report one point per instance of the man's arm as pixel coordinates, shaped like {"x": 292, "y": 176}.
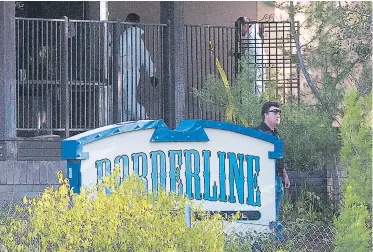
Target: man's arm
{"x": 146, "y": 60}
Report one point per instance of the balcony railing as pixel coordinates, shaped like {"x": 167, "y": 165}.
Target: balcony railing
{"x": 73, "y": 76}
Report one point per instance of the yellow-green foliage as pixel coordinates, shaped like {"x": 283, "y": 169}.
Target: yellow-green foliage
{"x": 353, "y": 224}
{"x": 127, "y": 219}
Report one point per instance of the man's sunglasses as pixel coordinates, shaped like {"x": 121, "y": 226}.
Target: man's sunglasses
{"x": 275, "y": 111}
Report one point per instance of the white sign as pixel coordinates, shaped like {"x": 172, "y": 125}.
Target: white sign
{"x": 222, "y": 166}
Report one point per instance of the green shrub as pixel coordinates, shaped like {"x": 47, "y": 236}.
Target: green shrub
{"x": 310, "y": 140}
{"x": 356, "y": 152}
{"x": 353, "y": 232}
{"x": 307, "y": 208}
{"x": 128, "y": 219}
{"x": 353, "y": 229}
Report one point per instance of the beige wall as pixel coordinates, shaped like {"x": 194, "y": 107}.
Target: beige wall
{"x": 223, "y": 13}
{"x": 149, "y": 11}
{"x": 263, "y": 9}
{"x": 218, "y": 13}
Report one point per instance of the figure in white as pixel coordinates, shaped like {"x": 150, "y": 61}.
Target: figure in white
{"x": 134, "y": 55}
{"x": 253, "y": 34}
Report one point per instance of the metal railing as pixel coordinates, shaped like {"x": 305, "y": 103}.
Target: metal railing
{"x": 271, "y": 49}
{"x": 78, "y": 75}
{"x": 268, "y": 45}
{"x": 206, "y": 44}
{"x": 73, "y": 75}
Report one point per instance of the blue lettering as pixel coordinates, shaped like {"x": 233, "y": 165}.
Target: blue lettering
{"x": 236, "y": 174}
{"x": 101, "y": 166}
{"x": 158, "y": 157}
{"x": 175, "y": 170}
{"x": 252, "y": 181}
{"x": 207, "y": 177}
{"x": 222, "y": 195}
{"x": 195, "y": 174}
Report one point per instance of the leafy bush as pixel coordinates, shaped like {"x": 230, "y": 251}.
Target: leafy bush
{"x": 353, "y": 224}
{"x": 128, "y": 219}
{"x": 356, "y": 152}
{"x": 353, "y": 232}
{"x": 308, "y": 208}
{"x": 310, "y": 140}
{"x": 238, "y": 98}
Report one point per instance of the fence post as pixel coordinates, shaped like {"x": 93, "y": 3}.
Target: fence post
{"x": 65, "y": 97}
{"x": 168, "y": 101}
{"x": 117, "y": 85}
{"x": 174, "y": 110}
{"x": 188, "y": 215}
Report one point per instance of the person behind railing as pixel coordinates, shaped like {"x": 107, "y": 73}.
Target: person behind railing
{"x": 252, "y": 35}
{"x": 134, "y": 55}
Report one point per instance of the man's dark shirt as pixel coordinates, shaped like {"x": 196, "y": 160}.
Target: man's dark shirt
{"x": 279, "y": 162}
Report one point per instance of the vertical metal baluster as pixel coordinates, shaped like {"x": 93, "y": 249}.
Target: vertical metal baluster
{"x": 204, "y": 57}
{"x": 25, "y": 59}
{"x": 88, "y": 86}
{"x": 117, "y": 74}
{"x": 74, "y": 108}
{"x": 134, "y": 78}
{"x": 224, "y": 57}
{"x": 65, "y": 95}
{"x": 93, "y": 82}
{"x": 155, "y": 52}
{"x": 86, "y": 65}
{"x": 18, "y": 77}
{"x": 232, "y": 57}
{"x": 98, "y": 97}
{"x": 31, "y": 124}
{"x": 37, "y": 80}
{"x": 200, "y": 66}
{"x": 80, "y": 126}
{"x": 188, "y": 83}
{"x": 142, "y": 58}
{"x": 43, "y": 71}
{"x": 162, "y": 77}
{"x": 61, "y": 37}
{"x": 195, "y": 71}
{"x": 70, "y": 82}
{"x": 47, "y": 77}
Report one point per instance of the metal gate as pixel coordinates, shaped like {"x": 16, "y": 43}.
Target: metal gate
{"x": 271, "y": 50}
{"x": 268, "y": 45}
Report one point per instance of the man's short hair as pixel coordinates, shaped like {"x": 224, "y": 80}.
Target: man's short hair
{"x": 267, "y": 105}
{"x": 133, "y": 18}
{"x": 243, "y": 19}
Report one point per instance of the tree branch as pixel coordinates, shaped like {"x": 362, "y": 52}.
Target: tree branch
{"x": 310, "y": 82}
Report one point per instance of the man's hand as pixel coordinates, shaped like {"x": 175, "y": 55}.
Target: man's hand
{"x": 286, "y": 181}
{"x": 154, "y": 81}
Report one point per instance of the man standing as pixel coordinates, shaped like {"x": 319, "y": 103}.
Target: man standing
{"x": 252, "y": 35}
{"x": 271, "y": 116}
{"x": 134, "y": 55}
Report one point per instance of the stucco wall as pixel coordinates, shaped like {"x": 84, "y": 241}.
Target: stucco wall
{"x": 223, "y": 13}
{"x": 218, "y": 13}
